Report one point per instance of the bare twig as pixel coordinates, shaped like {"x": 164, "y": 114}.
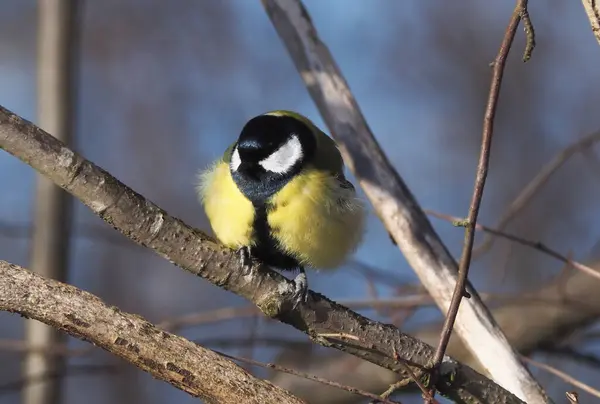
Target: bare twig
{"x": 417, "y": 380}
{"x": 74, "y": 370}
{"x": 148, "y": 225}
{"x": 307, "y": 376}
{"x": 182, "y": 363}
{"x": 592, "y": 9}
{"x": 482, "y": 169}
{"x": 569, "y": 352}
{"x": 529, "y": 33}
{"x": 53, "y": 350}
{"x": 9, "y": 345}
{"x": 391, "y": 198}
{"x": 205, "y": 317}
{"x": 392, "y": 389}
{"x": 533, "y": 187}
{"x": 536, "y": 245}
{"x": 85, "y": 230}
{"x": 562, "y": 375}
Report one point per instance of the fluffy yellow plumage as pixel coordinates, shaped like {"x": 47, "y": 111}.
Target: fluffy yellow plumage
{"x": 312, "y": 217}
{"x": 316, "y": 220}
{"x": 279, "y": 194}
{"x": 231, "y": 215}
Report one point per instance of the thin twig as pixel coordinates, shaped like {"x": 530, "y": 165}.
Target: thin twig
{"x": 412, "y": 377}
{"x": 569, "y": 352}
{"x": 536, "y": 245}
{"x": 562, "y": 375}
{"x": 400, "y": 384}
{"x": 74, "y": 370}
{"x": 415, "y": 378}
{"x": 18, "y": 346}
{"x": 482, "y": 169}
{"x": 529, "y": 33}
{"x": 206, "y": 317}
{"x": 307, "y": 376}
{"x": 51, "y": 350}
{"x": 533, "y": 187}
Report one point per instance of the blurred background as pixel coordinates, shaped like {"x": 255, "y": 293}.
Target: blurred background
{"x": 160, "y": 89}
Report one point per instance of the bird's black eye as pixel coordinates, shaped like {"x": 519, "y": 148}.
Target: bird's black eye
{"x": 263, "y": 136}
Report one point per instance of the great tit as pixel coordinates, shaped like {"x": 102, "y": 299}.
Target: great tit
{"x": 279, "y": 195}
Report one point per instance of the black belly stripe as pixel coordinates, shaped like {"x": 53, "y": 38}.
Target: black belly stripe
{"x": 266, "y": 248}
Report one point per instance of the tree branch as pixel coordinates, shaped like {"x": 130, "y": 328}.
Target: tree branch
{"x": 278, "y": 368}
{"x": 148, "y": 225}
{"x": 392, "y": 200}
{"x": 564, "y": 376}
{"x": 531, "y": 390}
{"x": 531, "y": 321}
{"x": 592, "y": 9}
{"x": 182, "y": 363}
{"x": 533, "y": 187}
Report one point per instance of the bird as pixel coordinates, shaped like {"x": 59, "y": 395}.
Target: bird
{"x": 279, "y": 195}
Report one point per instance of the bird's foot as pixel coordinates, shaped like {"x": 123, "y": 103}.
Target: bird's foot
{"x": 245, "y": 259}
{"x": 300, "y": 294}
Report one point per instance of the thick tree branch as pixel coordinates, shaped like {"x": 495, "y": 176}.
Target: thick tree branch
{"x": 592, "y": 9}
{"x": 182, "y": 363}
{"x": 392, "y": 200}
{"x": 147, "y": 224}
{"x": 531, "y": 321}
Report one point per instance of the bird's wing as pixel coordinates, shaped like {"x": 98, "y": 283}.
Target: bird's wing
{"x": 227, "y": 154}
{"x": 328, "y": 156}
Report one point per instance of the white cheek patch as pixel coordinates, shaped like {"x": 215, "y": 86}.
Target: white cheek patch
{"x": 235, "y": 160}
{"x": 284, "y": 158}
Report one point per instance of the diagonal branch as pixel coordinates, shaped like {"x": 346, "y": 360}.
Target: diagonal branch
{"x": 182, "y": 363}
{"x": 592, "y": 9}
{"x": 392, "y": 200}
{"x": 148, "y": 225}
{"x": 533, "y": 187}
{"x": 481, "y": 175}
{"x": 536, "y": 245}
{"x": 532, "y": 321}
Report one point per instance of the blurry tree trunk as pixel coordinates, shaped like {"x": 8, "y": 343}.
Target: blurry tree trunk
{"x": 50, "y": 244}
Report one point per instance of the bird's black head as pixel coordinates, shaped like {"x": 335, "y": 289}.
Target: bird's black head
{"x": 270, "y": 150}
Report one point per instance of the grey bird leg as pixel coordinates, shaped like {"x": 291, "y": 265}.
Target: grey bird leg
{"x": 245, "y": 259}
{"x": 300, "y": 294}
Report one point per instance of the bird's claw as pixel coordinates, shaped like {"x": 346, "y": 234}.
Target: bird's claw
{"x": 300, "y": 294}
{"x": 245, "y": 259}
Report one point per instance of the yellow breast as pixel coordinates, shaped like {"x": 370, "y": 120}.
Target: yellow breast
{"x": 231, "y": 215}
{"x": 317, "y": 221}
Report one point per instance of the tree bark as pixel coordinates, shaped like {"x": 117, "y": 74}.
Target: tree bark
{"x": 182, "y": 363}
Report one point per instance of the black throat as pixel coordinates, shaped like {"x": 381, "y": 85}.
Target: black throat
{"x": 266, "y": 247}
{"x": 259, "y": 185}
